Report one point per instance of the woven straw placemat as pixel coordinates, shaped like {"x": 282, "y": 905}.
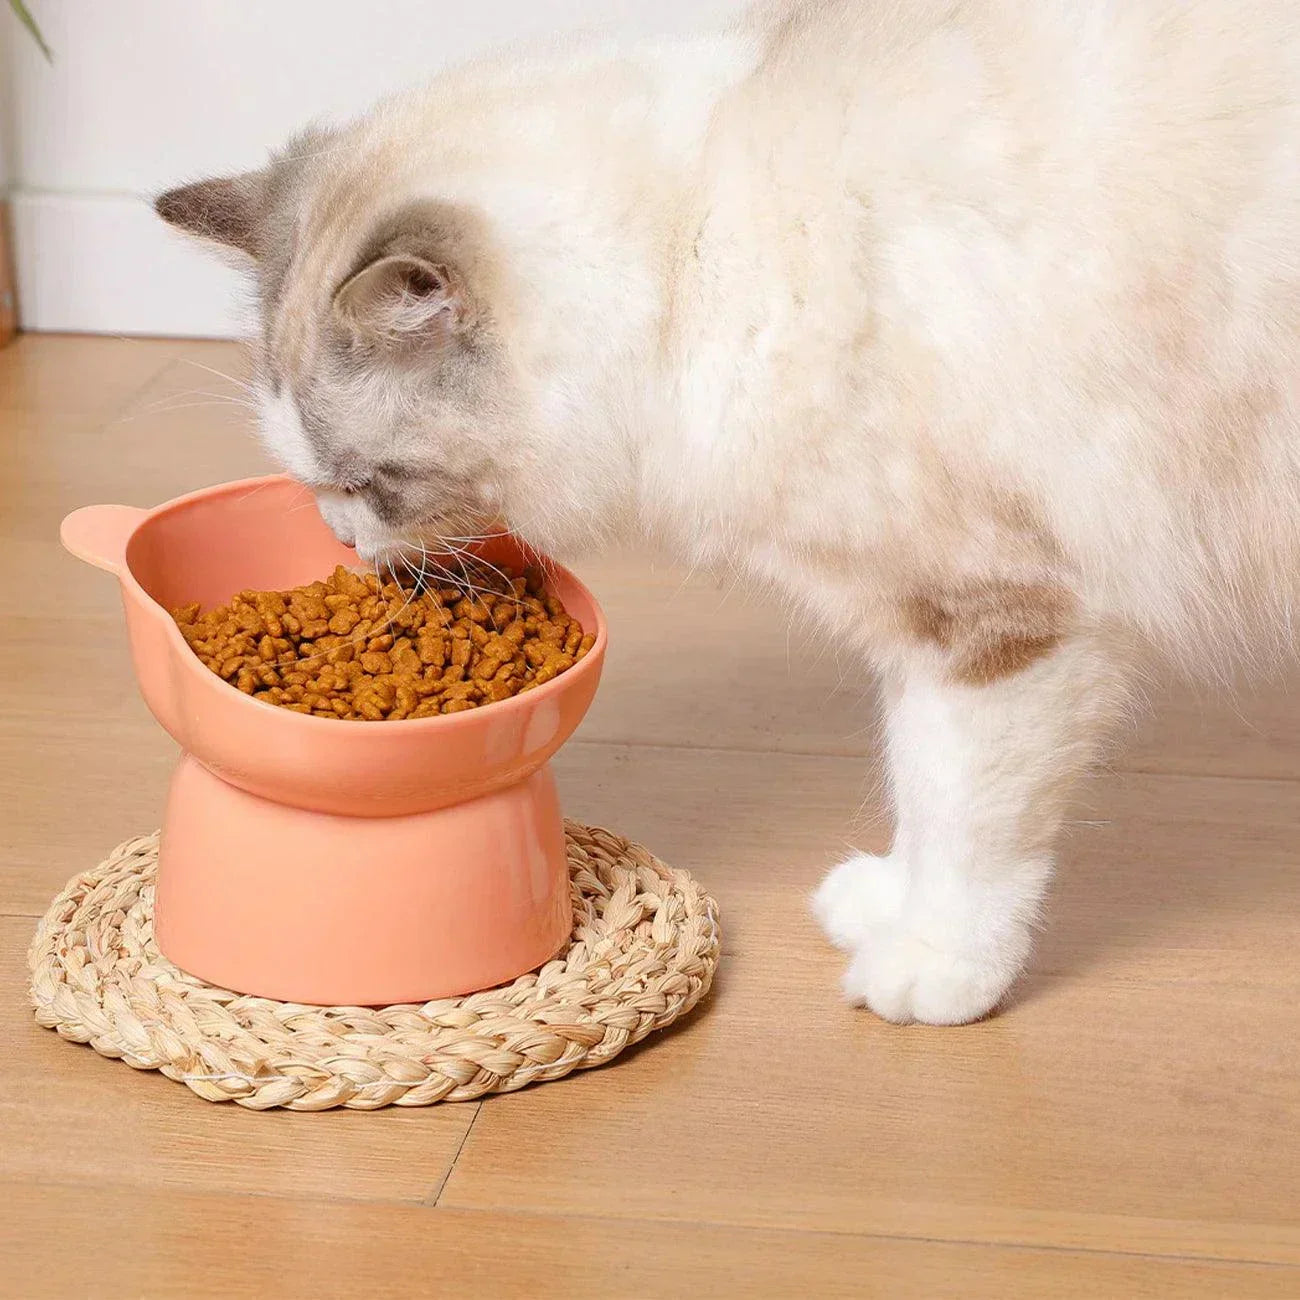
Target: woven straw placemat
{"x": 643, "y": 953}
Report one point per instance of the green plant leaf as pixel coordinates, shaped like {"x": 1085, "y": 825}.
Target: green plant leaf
{"x": 25, "y": 17}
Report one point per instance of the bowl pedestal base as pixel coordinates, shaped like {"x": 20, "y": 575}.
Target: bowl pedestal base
{"x": 303, "y": 906}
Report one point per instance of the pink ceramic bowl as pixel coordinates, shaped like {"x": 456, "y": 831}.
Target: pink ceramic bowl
{"x": 323, "y": 861}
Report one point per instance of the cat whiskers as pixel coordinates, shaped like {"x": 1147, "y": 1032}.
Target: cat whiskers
{"x": 242, "y": 384}
{"x": 374, "y": 631}
{"x": 467, "y": 559}
{"x": 180, "y": 402}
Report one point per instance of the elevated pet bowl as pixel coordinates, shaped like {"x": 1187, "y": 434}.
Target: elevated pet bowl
{"x": 323, "y": 861}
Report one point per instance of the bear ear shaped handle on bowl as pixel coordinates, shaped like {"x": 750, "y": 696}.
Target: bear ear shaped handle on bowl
{"x": 99, "y": 534}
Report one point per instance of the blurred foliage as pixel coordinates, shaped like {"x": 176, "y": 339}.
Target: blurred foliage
{"x": 25, "y": 17}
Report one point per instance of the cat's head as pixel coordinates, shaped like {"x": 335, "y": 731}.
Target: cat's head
{"x": 405, "y": 363}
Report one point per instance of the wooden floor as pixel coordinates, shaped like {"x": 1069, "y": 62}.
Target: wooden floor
{"x": 1130, "y": 1126}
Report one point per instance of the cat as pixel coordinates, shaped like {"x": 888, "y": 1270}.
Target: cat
{"x": 972, "y": 325}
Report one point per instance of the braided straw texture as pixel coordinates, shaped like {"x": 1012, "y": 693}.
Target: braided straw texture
{"x": 644, "y": 949}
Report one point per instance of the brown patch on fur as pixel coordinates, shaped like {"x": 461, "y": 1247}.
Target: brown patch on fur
{"x": 1166, "y": 325}
{"x": 990, "y": 630}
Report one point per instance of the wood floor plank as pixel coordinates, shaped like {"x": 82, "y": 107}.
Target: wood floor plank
{"x": 67, "y": 1114}
{"x": 86, "y": 463}
{"x": 73, "y": 794}
{"x": 1191, "y": 730}
{"x": 59, "y": 374}
{"x": 1092, "y": 1117}
{"x": 227, "y": 1247}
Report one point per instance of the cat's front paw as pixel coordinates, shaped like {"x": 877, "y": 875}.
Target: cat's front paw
{"x": 939, "y": 961}
{"x": 904, "y": 977}
{"x": 861, "y": 893}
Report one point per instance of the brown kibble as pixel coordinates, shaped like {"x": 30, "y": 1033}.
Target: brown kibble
{"x": 356, "y": 648}
{"x": 405, "y": 660}
{"x": 485, "y": 670}
{"x": 432, "y": 650}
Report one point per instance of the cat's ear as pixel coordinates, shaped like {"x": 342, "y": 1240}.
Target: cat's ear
{"x": 403, "y": 298}
{"x": 227, "y": 210}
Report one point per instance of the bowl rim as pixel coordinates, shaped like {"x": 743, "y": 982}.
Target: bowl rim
{"x": 568, "y": 680}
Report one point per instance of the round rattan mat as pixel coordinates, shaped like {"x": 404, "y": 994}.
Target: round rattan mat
{"x": 643, "y": 952}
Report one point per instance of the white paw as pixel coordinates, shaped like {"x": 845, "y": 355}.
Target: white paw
{"x": 904, "y": 978}
{"x": 860, "y": 893}
{"x": 941, "y": 959}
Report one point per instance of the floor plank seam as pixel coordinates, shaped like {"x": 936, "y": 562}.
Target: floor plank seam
{"x": 296, "y": 1196}
{"x": 872, "y": 758}
{"x": 674, "y": 747}
{"x": 435, "y": 1196}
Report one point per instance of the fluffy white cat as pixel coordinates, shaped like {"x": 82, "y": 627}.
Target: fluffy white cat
{"x": 972, "y": 324}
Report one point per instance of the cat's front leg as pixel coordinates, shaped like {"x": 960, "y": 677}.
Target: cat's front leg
{"x": 980, "y": 773}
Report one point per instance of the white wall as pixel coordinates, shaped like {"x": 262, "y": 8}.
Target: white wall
{"x": 146, "y": 93}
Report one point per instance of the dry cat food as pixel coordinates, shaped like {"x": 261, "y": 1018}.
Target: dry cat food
{"x": 356, "y": 647}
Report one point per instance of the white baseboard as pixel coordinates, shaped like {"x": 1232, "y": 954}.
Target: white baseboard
{"x": 105, "y": 264}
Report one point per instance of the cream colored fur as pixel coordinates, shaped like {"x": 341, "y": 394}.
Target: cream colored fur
{"x": 972, "y": 326}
